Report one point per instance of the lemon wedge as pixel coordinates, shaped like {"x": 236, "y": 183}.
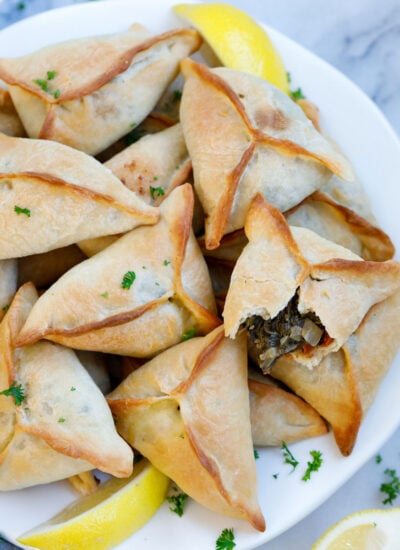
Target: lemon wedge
{"x": 237, "y": 40}
{"x": 366, "y": 530}
{"x": 105, "y": 518}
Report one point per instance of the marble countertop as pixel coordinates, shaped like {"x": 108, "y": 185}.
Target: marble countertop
{"x": 362, "y": 39}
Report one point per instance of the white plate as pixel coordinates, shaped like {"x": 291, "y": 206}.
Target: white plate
{"x": 361, "y": 130}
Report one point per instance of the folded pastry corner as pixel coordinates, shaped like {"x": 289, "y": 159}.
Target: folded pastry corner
{"x": 140, "y": 295}
{"x": 153, "y": 166}
{"x": 55, "y": 421}
{"x": 10, "y": 123}
{"x": 297, "y": 293}
{"x": 60, "y": 196}
{"x": 278, "y": 415}
{"x": 245, "y": 137}
{"x": 338, "y": 223}
{"x": 87, "y": 93}
{"x": 175, "y": 412}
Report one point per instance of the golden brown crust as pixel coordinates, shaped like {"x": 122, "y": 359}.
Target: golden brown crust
{"x": 43, "y": 175}
{"x": 343, "y": 386}
{"x": 204, "y": 444}
{"x": 141, "y": 170}
{"x": 252, "y": 136}
{"x": 37, "y": 177}
{"x": 55, "y": 433}
{"x": 374, "y": 244}
{"x": 118, "y": 65}
{"x": 278, "y": 415}
{"x": 148, "y": 317}
{"x": 330, "y": 389}
{"x": 331, "y": 282}
{"x": 89, "y": 106}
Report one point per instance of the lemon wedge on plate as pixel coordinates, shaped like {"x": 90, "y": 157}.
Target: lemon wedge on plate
{"x": 366, "y": 530}
{"x": 105, "y": 518}
{"x": 237, "y": 40}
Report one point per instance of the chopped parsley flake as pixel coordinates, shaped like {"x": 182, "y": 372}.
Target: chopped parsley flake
{"x": 177, "y": 503}
{"x": 104, "y": 294}
{"x": 16, "y": 392}
{"x": 189, "y": 334}
{"x": 289, "y": 458}
{"x": 155, "y": 178}
{"x": 20, "y": 210}
{"x": 166, "y": 262}
{"x": 256, "y": 455}
{"x": 391, "y": 488}
{"x": 43, "y": 83}
{"x": 177, "y": 95}
{"x": 156, "y": 192}
{"x": 275, "y": 476}
{"x": 128, "y": 280}
{"x": 61, "y": 420}
{"x": 313, "y": 466}
{"x": 72, "y": 388}
{"x": 134, "y": 135}
{"x": 21, "y": 6}
{"x": 297, "y": 94}
{"x": 5, "y": 308}
{"x": 378, "y": 459}
{"x": 226, "y": 540}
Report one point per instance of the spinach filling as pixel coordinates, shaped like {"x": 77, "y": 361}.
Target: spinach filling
{"x": 288, "y": 331}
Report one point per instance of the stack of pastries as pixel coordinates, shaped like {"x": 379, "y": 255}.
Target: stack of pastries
{"x": 223, "y": 273}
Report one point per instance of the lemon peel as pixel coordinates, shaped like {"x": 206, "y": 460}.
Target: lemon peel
{"x": 363, "y": 530}
{"x": 105, "y": 518}
{"x": 237, "y": 39}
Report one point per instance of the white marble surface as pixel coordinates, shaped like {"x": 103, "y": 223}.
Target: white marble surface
{"x": 362, "y": 39}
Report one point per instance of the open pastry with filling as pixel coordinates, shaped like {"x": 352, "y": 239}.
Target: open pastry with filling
{"x": 52, "y": 195}
{"x": 54, "y": 421}
{"x": 87, "y": 93}
{"x": 343, "y": 386}
{"x": 245, "y": 137}
{"x": 140, "y": 295}
{"x": 175, "y": 411}
{"x": 297, "y": 293}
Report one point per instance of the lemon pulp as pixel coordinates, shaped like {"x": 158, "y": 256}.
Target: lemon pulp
{"x": 105, "y": 518}
{"x": 365, "y": 530}
{"x": 237, "y": 40}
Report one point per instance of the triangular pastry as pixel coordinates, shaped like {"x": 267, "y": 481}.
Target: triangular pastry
{"x": 298, "y": 293}
{"x": 60, "y": 425}
{"x": 343, "y": 386}
{"x": 175, "y": 411}
{"x": 87, "y": 93}
{"x": 52, "y": 195}
{"x": 245, "y": 137}
{"x": 138, "y": 296}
